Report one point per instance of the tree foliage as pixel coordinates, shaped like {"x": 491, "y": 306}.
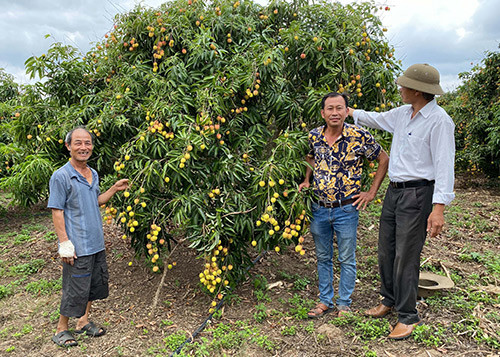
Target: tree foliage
{"x": 475, "y": 107}
{"x": 205, "y": 107}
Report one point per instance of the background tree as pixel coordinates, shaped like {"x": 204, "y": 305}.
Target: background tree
{"x": 475, "y": 107}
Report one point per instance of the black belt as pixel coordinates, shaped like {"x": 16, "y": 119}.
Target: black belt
{"x": 336, "y": 203}
{"x": 408, "y": 184}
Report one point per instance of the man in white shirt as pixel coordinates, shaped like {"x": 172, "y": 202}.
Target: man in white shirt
{"x": 421, "y": 170}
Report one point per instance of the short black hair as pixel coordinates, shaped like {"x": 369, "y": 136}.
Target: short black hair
{"x": 69, "y": 135}
{"x": 427, "y": 96}
{"x": 334, "y": 95}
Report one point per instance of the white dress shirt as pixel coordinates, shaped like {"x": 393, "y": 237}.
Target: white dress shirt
{"x": 422, "y": 147}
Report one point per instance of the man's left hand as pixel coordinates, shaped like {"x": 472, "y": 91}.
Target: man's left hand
{"x": 362, "y": 199}
{"x": 435, "y": 222}
{"x": 121, "y": 184}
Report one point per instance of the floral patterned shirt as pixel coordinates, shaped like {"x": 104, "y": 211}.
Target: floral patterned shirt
{"x": 338, "y": 168}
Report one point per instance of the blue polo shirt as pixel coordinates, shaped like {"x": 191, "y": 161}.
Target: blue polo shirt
{"x": 71, "y": 192}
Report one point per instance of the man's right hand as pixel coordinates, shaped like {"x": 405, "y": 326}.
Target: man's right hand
{"x": 69, "y": 261}
{"x": 305, "y": 184}
{"x": 67, "y": 252}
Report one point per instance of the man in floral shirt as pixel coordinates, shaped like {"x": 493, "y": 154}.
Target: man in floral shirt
{"x": 336, "y": 157}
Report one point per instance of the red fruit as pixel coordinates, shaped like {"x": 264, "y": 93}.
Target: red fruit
{"x": 302, "y": 55}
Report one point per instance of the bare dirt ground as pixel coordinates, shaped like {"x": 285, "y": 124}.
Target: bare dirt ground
{"x": 464, "y": 321}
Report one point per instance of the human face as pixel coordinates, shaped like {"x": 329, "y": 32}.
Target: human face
{"x": 407, "y": 95}
{"x": 334, "y": 112}
{"x": 81, "y": 146}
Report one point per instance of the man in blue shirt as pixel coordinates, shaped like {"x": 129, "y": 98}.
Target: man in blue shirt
{"x": 75, "y": 199}
{"x": 336, "y": 156}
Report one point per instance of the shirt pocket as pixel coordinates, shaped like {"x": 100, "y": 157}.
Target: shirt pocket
{"x": 415, "y": 147}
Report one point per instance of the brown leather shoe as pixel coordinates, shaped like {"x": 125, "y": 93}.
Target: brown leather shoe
{"x": 401, "y": 331}
{"x": 379, "y": 311}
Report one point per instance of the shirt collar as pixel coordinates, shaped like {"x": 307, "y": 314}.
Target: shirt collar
{"x": 426, "y": 110}
{"x": 343, "y": 135}
{"x": 75, "y": 174}
{"x": 429, "y": 107}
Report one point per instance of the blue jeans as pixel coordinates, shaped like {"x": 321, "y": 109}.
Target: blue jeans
{"x": 343, "y": 221}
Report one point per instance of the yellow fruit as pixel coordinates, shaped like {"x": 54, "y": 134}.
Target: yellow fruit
{"x": 155, "y": 268}
{"x": 272, "y": 183}
{"x": 167, "y": 179}
{"x": 281, "y": 181}
{"x": 277, "y": 249}
{"x": 269, "y": 208}
{"x": 262, "y": 183}
{"x": 258, "y": 223}
{"x": 302, "y": 252}
{"x": 129, "y": 264}
{"x": 169, "y": 266}
{"x": 254, "y": 243}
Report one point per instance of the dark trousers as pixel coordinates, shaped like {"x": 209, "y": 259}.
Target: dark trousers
{"x": 402, "y": 234}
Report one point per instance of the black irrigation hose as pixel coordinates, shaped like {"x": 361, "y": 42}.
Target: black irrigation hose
{"x": 217, "y": 308}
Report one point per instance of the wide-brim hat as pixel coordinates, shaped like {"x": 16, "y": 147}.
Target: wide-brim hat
{"x": 429, "y": 283}
{"x": 421, "y": 77}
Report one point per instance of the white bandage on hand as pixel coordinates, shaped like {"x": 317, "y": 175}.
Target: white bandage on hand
{"x": 66, "y": 249}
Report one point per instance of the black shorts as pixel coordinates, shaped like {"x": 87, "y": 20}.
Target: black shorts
{"x": 86, "y": 280}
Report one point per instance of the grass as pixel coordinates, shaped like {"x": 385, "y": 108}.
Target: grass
{"x": 363, "y": 327}
{"x": 44, "y": 287}
{"x": 26, "y": 269}
{"x": 223, "y": 339}
{"x": 300, "y": 306}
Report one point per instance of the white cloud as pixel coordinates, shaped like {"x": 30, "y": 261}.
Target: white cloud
{"x": 449, "y": 34}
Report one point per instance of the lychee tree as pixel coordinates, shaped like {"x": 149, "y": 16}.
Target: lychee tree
{"x": 475, "y": 107}
{"x": 205, "y": 107}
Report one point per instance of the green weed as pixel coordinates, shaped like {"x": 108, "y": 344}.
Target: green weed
{"x": 310, "y": 327}
{"x": 50, "y": 236}
{"x": 430, "y": 336}
{"x": 301, "y": 283}
{"x": 260, "y": 283}
{"x": 260, "y": 313}
{"x": 365, "y": 328}
{"x": 24, "y": 331}
{"x": 173, "y": 341}
{"x": 29, "y": 268}
{"x": 300, "y": 306}
{"x": 289, "y": 331}
{"x": 5, "y": 290}
{"x": 44, "y": 287}
{"x": 21, "y": 239}
{"x": 261, "y": 296}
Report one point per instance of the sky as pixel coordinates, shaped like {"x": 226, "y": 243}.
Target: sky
{"x": 451, "y": 35}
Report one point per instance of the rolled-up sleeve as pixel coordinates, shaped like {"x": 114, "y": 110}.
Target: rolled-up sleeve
{"x": 374, "y": 120}
{"x": 442, "y": 145}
